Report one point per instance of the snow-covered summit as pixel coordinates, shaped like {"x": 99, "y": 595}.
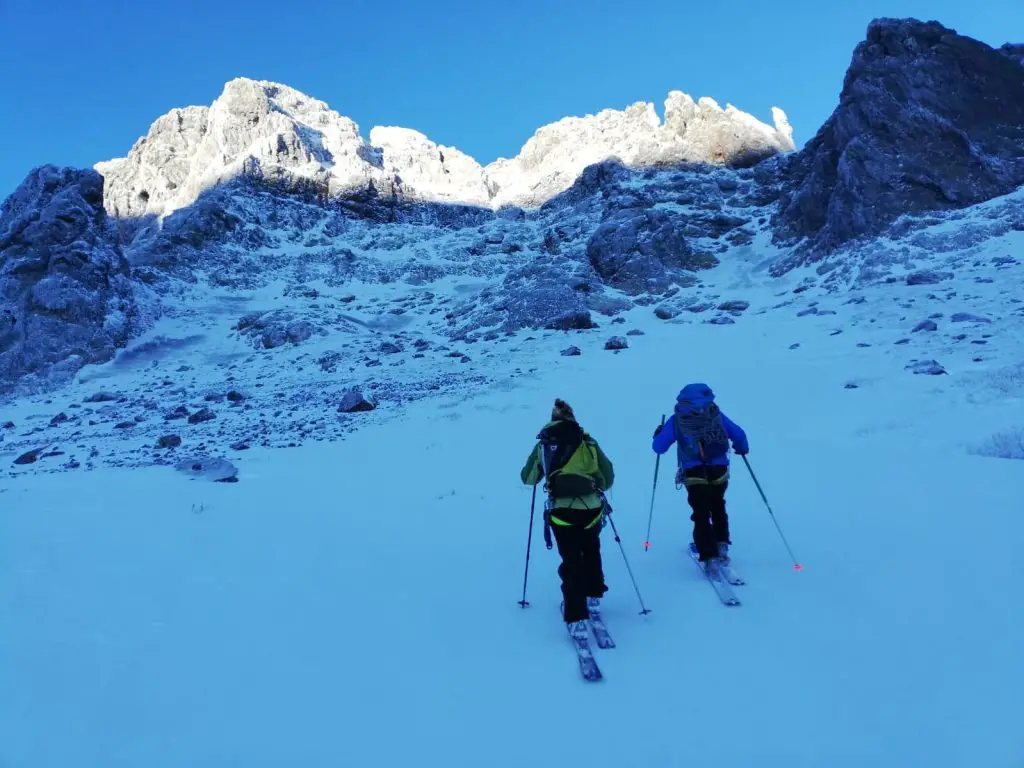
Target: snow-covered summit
{"x": 255, "y": 127}
{"x": 270, "y": 131}
{"x": 425, "y": 170}
{"x": 692, "y": 132}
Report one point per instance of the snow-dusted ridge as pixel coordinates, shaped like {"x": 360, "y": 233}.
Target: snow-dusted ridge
{"x": 271, "y": 131}
{"x": 311, "y": 261}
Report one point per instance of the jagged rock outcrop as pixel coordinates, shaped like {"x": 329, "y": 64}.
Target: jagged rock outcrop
{"x": 927, "y": 120}
{"x": 257, "y": 129}
{"x": 66, "y": 298}
{"x": 1015, "y": 51}
{"x": 693, "y": 132}
{"x": 424, "y": 170}
{"x": 281, "y": 137}
{"x": 641, "y": 250}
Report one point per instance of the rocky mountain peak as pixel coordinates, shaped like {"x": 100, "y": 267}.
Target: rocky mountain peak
{"x": 269, "y": 131}
{"x": 927, "y": 120}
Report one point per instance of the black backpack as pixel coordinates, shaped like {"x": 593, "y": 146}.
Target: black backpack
{"x": 569, "y": 460}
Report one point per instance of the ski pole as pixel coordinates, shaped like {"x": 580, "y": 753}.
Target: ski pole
{"x": 529, "y": 541}
{"x": 796, "y": 564}
{"x": 644, "y": 609}
{"x": 654, "y": 490}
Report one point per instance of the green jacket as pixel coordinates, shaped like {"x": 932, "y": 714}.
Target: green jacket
{"x": 533, "y": 473}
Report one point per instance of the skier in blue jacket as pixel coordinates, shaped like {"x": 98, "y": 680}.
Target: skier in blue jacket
{"x": 702, "y": 433}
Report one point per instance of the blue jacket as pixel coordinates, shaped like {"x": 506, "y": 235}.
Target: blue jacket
{"x": 667, "y": 436}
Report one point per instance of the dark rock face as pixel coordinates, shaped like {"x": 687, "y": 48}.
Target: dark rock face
{"x": 927, "y": 120}
{"x": 65, "y": 294}
{"x": 640, "y": 249}
{"x": 1015, "y": 51}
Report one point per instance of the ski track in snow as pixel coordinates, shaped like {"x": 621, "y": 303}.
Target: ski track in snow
{"x": 353, "y": 602}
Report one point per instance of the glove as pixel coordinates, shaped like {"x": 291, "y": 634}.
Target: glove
{"x": 657, "y": 431}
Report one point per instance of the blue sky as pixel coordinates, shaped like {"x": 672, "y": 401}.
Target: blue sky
{"x": 83, "y": 80}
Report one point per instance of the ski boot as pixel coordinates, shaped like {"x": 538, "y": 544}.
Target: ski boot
{"x": 723, "y": 552}
{"x": 713, "y": 568}
{"x": 578, "y": 631}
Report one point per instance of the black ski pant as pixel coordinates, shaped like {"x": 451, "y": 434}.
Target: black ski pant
{"x": 581, "y": 570}
{"x": 705, "y": 491}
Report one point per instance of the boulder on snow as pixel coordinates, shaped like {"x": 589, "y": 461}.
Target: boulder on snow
{"x": 574, "y": 320}
{"x": 168, "y": 441}
{"x": 926, "y": 367}
{"x": 925, "y": 325}
{"x": 203, "y": 414}
{"x": 181, "y": 412}
{"x": 928, "y": 277}
{"x": 735, "y": 306}
{"x": 30, "y": 457}
{"x": 571, "y": 352}
{"x": 329, "y": 360}
{"x": 616, "y": 342}
{"x": 354, "y": 401}
{"x": 967, "y": 317}
{"x": 216, "y": 470}
{"x": 102, "y": 397}
{"x": 268, "y": 330}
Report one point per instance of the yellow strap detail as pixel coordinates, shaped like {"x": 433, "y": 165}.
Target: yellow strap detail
{"x": 558, "y": 521}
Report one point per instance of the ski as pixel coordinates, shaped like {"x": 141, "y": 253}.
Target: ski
{"x": 720, "y": 585}
{"x": 728, "y": 572}
{"x": 588, "y": 664}
{"x": 600, "y": 629}
{"x": 730, "y": 575}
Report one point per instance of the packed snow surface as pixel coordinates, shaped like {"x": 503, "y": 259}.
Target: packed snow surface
{"x": 355, "y": 602}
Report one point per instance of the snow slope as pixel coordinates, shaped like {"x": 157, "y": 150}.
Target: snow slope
{"x": 425, "y": 310}
{"x": 354, "y": 602}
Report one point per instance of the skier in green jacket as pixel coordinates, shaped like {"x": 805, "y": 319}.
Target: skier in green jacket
{"x": 576, "y": 473}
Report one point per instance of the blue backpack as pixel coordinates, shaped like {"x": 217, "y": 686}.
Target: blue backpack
{"x": 700, "y": 433}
